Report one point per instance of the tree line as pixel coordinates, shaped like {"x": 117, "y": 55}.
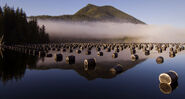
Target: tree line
{"x": 17, "y": 29}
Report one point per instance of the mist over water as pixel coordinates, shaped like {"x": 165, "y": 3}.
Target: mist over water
{"x": 106, "y": 30}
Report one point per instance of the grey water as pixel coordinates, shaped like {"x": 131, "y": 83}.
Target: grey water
{"x": 29, "y": 77}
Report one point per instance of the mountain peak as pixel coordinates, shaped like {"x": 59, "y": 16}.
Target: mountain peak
{"x": 91, "y": 5}
{"x": 97, "y": 13}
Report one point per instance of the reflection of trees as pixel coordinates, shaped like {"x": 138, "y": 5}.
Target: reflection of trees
{"x": 13, "y": 65}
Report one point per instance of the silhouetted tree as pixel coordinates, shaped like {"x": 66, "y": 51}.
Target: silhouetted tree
{"x": 1, "y": 16}
{"x": 17, "y": 29}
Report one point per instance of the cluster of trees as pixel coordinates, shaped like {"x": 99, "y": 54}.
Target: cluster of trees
{"x": 16, "y": 28}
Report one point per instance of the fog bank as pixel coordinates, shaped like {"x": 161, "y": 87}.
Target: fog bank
{"x": 106, "y": 30}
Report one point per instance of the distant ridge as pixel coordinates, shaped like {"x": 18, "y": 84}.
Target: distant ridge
{"x": 95, "y": 13}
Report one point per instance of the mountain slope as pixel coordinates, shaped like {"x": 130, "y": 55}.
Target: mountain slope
{"x": 96, "y": 13}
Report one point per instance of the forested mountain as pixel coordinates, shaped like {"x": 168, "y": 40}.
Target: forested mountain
{"x": 95, "y": 13}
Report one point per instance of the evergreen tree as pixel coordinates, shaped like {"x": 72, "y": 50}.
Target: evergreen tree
{"x": 1, "y": 16}
{"x": 17, "y": 30}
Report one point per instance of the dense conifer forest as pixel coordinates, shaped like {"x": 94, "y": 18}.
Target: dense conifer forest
{"x": 16, "y": 29}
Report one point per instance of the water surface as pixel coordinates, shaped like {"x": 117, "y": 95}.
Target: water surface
{"x": 29, "y": 77}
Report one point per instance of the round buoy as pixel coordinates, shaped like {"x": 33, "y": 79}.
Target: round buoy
{"x": 116, "y": 50}
{"x": 49, "y": 55}
{"x": 147, "y": 52}
{"x": 134, "y": 57}
{"x": 78, "y": 51}
{"x": 171, "y": 54}
{"x": 98, "y": 49}
{"x": 171, "y": 49}
{"x": 42, "y": 54}
{"x": 132, "y": 51}
{"x": 115, "y": 55}
{"x": 89, "y": 64}
{"x": 64, "y": 50}
{"x": 116, "y": 69}
{"x": 53, "y": 49}
{"x": 160, "y": 60}
{"x": 88, "y": 52}
{"x": 160, "y": 50}
{"x": 70, "y": 59}
{"x": 169, "y": 77}
{"x": 58, "y": 49}
{"x": 100, "y": 53}
{"x": 35, "y": 53}
{"x": 108, "y": 50}
{"x": 70, "y": 50}
{"x": 58, "y": 57}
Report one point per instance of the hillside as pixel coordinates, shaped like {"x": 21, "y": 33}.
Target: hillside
{"x": 95, "y": 13}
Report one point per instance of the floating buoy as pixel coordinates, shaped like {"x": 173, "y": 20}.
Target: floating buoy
{"x": 100, "y": 53}
{"x": 116, "y": 69}
{"x": 169, "y": 77}
{"x": 49, "y": 48}
{"x": 182, "y": 48}
{"x": 89, "y": 48}
{"x": 70, "y": 59}
{"x": 98, "y": 49}
{"x": 78, "y": 51}
{"x": 160, "y": 60}
{"x": 151, "y": 48}
{"x": 164, "y": 48}
{"x": 81, "y": 48}
{"x": 49, "y": 55}
{"x": 116, "y": 50}
{"x": 108, "y": 50}
{"x": 58, "y": 49}
{"x": 132, "y": 51}
{"x": 171, "y": 54}
{"x": 160, "y": 50}
{"x": 58, "y": 57}
{"x": 171, "y": 49}
{"x": 147, "y": 52}
{"x": 115, "y": 55}
{"x": 53, "y": 49}
{"x": 42, "y": 54}
{"x": 134, "y": 57}
{"x": 70, "y": 50}
{"x": 121, "y": 48}
{"x": 89, "y": 64}
{"x": 35, "y": 53}
{"x": 64, "y": 50}
{"x": 88, "y": 52}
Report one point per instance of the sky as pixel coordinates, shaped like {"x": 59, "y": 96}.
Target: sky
{"x": 160, "y": 12}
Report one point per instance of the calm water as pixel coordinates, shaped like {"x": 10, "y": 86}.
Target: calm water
{"x": 28, "y": 77}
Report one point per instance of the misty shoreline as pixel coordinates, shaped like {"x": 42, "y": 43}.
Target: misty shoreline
{"x": 63, "y": 30}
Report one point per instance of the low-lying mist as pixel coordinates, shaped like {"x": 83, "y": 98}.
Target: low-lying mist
{"x": 113, "y": 30}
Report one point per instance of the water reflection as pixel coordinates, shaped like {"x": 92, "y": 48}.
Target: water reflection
{"x": 135, "y": 66}
{"x": 168, "y": 88}
{"x": 13, "y": 65}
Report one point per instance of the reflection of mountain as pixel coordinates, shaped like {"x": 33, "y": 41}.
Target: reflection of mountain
{"x": 101, "y": 70}
{"x": 13, "y": 65}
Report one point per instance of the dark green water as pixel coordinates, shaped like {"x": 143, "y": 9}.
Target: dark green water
{"x": 27, "y": 77}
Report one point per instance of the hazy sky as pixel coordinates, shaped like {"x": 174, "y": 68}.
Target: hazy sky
{"x": 161, "y": 12}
